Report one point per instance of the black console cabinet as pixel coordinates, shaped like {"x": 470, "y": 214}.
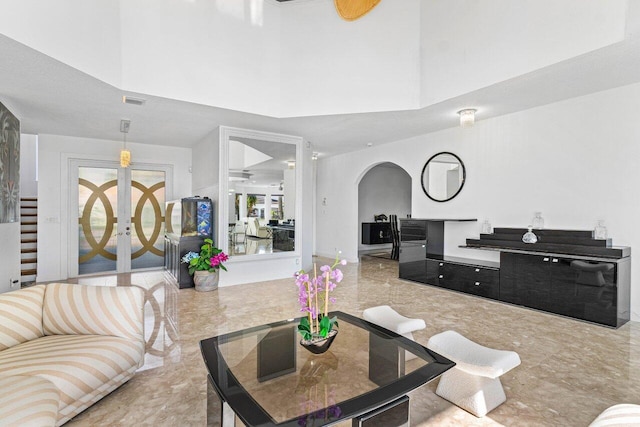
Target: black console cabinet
{"x": 376, "y": 233}
{"x": 584, "y": 278}
{"x": 589, "y": 289}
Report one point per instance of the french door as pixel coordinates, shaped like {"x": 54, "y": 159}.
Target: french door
{"x": 118, "y": 215}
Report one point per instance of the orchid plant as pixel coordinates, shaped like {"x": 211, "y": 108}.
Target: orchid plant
{"x": 210, "y": 258}
{"x": 313, "y": 295}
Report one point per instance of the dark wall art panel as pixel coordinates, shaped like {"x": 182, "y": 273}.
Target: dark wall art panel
{"x": 9, "y": 165}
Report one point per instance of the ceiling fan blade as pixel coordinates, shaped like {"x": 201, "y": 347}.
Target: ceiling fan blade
{"x": 350, "y": 10}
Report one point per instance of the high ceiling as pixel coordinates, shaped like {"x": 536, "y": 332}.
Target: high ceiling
{"x": 53, "y": 98}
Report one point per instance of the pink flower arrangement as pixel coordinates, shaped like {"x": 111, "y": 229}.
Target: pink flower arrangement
{"x": 313, "y": 296}
{"x": 217, "y": 260}
{"x": 209, "y": 258}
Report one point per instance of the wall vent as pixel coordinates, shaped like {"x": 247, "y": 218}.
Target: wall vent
{"x": 133, "y": 101}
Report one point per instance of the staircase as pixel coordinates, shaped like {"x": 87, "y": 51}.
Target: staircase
{"x": 28, "y": 239}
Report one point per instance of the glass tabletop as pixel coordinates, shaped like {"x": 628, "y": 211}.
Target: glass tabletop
{"x": 269, "y": 379}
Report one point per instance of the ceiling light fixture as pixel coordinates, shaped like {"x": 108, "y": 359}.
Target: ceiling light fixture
{"x": 291, "y": 164}
{"x": 125, "y": 154}
{"x": 467, "y": 117}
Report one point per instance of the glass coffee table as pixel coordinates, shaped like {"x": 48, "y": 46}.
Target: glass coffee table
{"x": 265, "y": 377}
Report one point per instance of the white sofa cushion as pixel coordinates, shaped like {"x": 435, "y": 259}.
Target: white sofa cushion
{"x": 21, "y": 316}
{"x": 624, "y": 414}
{"x": 93, "y": 310}
{"x": 28, "y": 402}
{"x": 84, "y": 368}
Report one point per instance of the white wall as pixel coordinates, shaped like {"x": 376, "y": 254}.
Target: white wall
{"x": 333, "y": 66}
{"x": 299, "y": 58}
{"x": 205, "y": 171}
{"x": 576, "y": 161}
{"x": 54, "y": 152}
{"x": 289, "y": 193}
{"x": 470, "y": 44}
{"x": 28, "y": 165}
{"x": 217, "y": 52}
{"x": 85, "y": 35}
{"x": 385, "y": 189}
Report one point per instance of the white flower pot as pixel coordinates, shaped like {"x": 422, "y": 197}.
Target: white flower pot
{"x": 206, "y": 280}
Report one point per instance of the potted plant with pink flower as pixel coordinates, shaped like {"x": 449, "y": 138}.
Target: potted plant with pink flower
{"x": 316, "y": 328}
{"x": 205, "y": 266}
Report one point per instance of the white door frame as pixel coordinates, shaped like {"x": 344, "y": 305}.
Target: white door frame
{"x": 123, "y": 230}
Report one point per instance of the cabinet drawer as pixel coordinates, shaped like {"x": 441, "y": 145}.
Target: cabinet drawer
{"x": 485, "y": 288}
{"x": 449, "y": 276}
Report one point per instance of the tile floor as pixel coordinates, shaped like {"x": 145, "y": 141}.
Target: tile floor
{"x": 570, "y": 370}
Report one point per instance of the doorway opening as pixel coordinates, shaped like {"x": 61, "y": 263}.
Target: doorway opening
{"x": 384, "y": 195}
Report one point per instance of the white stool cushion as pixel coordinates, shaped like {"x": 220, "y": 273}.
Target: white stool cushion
{"x": 388, "y": 318}
{"x": 471, "y": 357}
{"x": 624, "y": 414}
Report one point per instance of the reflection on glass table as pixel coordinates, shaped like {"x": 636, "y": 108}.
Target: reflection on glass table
{"x": 266, "y": 378}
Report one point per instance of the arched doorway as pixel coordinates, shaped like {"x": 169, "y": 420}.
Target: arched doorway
{"x": 384, "y": 189}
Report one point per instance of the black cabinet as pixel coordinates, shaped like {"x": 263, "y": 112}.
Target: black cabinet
{"x": 428, "y": 232}
{"x": 464, "y": 275}
{"x": 413, "y": 264}
{"x": 376, "y": 233}
{"x": 589, "y": 289}
{"x": 174, "y": 249}
{"x": 525, "y": 280}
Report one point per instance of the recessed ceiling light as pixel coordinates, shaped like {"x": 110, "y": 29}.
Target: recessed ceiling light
{"x": 369, "y": 144}
{"x": 133, "y": 101}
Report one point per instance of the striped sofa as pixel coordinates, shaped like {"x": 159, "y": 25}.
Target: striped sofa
{"x": 63, "y": 347}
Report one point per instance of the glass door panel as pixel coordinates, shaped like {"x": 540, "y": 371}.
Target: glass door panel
{"x": 97, "y": 219}
{"x": 147, "y": 220}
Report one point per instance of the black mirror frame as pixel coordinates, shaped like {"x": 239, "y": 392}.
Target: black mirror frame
{"x": 464, "y": 176}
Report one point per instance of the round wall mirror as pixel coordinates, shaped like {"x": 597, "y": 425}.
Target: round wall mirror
{"x": 443, "y": 177}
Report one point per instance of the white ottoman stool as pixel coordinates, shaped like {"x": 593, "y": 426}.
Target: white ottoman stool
{"x": 474, "y": 383}
{"x": 624, "y": 414}
{"x": 390, "y": 319}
